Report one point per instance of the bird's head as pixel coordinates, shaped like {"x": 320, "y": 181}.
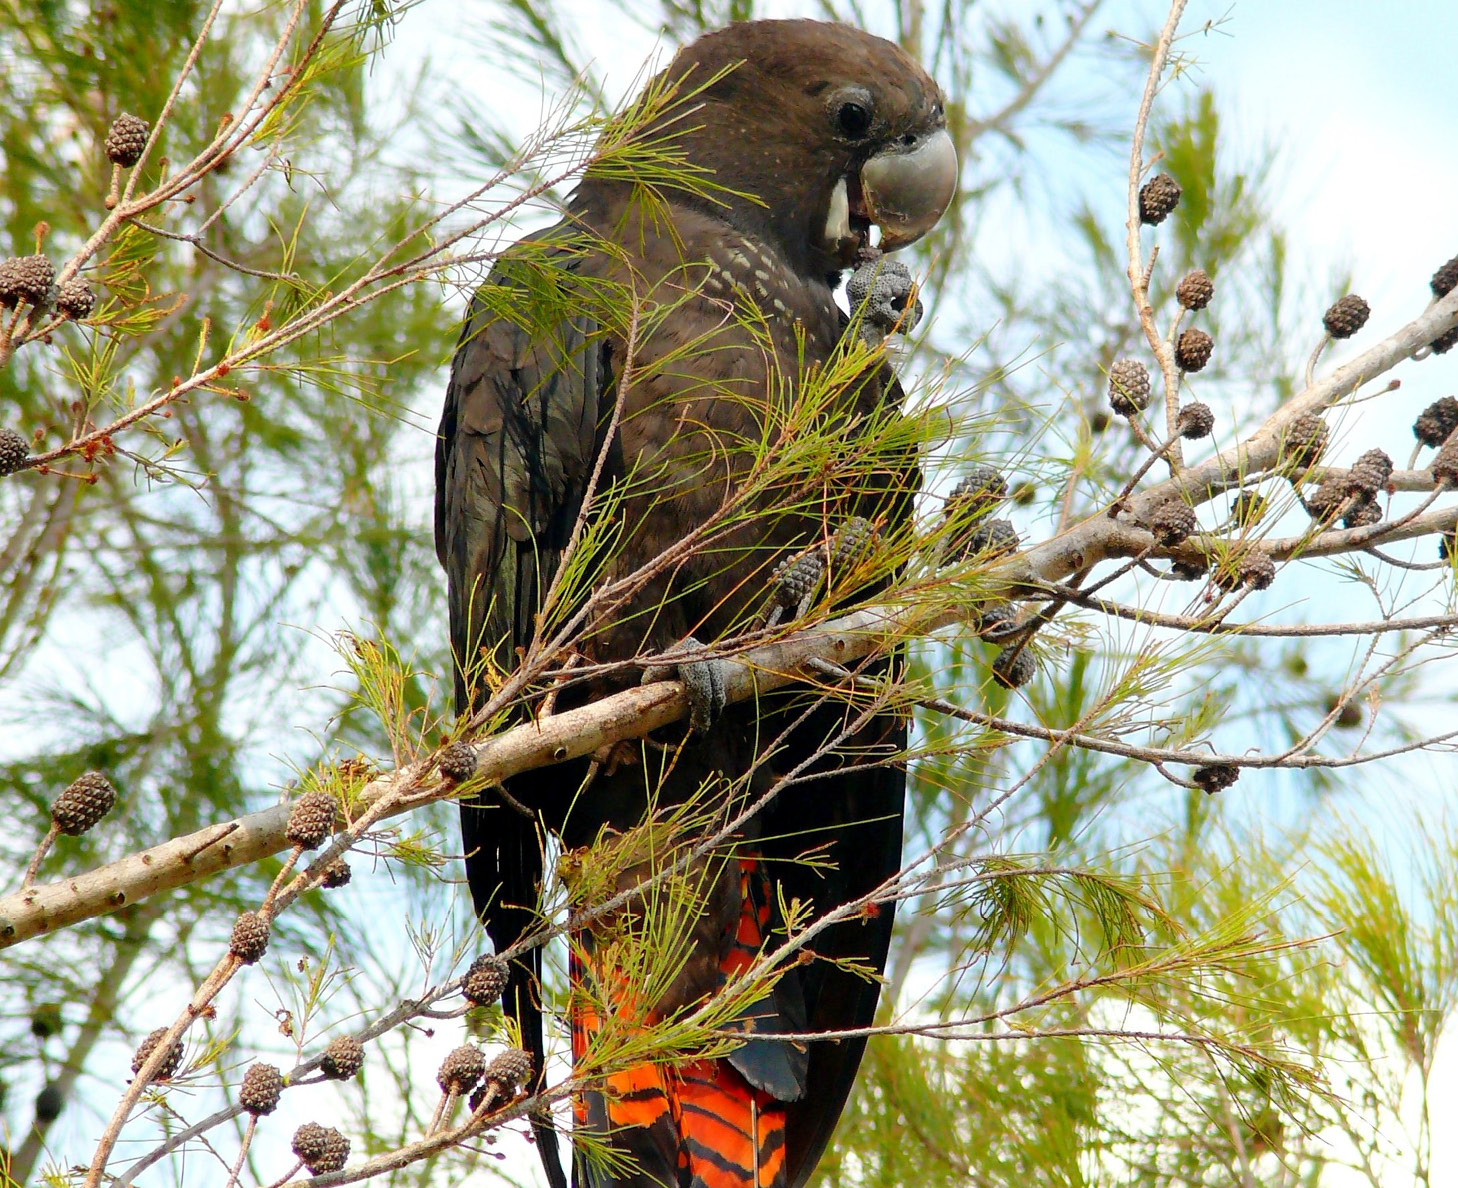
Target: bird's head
{"x": 815, "y": 132}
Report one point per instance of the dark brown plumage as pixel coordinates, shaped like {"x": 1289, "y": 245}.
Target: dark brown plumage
{"x": 809, "y": 132}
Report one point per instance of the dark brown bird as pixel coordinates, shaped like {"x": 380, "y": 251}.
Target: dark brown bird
{"x": 777, "y": 145}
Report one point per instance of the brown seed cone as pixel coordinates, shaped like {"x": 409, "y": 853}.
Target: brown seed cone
{"x": 322, "y": 1148}
{"x": 1303, "y": 442}
{"x": 1348, "y": 713}
{"x": 49, "y": 1103}
{"x": 462, "y": 1068}
{"x": 1014, "y": 666}
{"x": 126, "y": 140}
{"x": 1195, "y": 289}
{"x": 1369, "y": 473}
{"x": 83, "y": 803}
{"x": 1189, "y": 571}
{"x": 1444, "y": 342}
{"x": 1215, "y": 777}
{"x": 46, "y": 1020}
{"x": 1172, "y": 522}
{"x": 995, "y": 620}
{"x": 457, "y": 762}
{"x": 1436, "y": 422}
{"x": 14, "y": 450}
{"x": 992, "y": 538}
{"x": 1129, "y": 387}
{"x": 795, "y": 578}
{"x": 9, "y": 285}
{"x": 1226, "y": 575}
{"x": 1193, "y": 350}
{"x": 262, "y": 1087}
{"x": 168, "y": 1068}
{"x": 336, "y": 874}
{"x": 1326, "y": 500}
{"x": 1157, "y": 197}
{"x": 1249, "y": 508}
{"x": 1445, "y": 465}
{"x": 1346, "y": 316}
{"x": 851, "y": 544}
{"x": 312, "y": 820}
{"x": 982, "y": 488}
{"x": 485, "y": 980}
{"x": 75, "y": 299}
{"x": 1365, "y": 512}
{"x": 1195, "y": 421}
{"x": 1445, "y": 279}
{"x": 343, "y": 1058}
{"x": 25, "y": 279}
{"x": 250, "y": 937}
{"x": 510, "y": 1069}
{"x": 1257, "y": 570}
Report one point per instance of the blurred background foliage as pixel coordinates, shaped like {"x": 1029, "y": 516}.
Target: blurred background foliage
{"x": 170, "y": 623}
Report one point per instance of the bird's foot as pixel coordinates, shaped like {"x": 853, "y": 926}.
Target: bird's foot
{"x": 705, "y": 682}
{"x": 797, "y": 580}
{"x": 884, "y": 293}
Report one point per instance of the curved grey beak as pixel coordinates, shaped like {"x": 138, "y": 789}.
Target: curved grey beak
{"x": 908, "y": 187}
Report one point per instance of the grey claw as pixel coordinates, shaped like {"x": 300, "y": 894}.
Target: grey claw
{"x": 704, "y": 681}
{"x": 885, "y": 291}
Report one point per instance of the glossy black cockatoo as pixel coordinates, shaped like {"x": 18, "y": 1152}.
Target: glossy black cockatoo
{"x": 785, "y": 143}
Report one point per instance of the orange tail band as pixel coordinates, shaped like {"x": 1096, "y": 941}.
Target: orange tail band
{"x": 696, "y": 1124}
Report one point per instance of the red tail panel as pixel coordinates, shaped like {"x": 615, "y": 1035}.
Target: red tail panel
{"x": 698, "y": 1124}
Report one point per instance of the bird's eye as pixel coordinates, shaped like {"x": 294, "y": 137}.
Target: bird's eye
{"x": 854, "y": 120}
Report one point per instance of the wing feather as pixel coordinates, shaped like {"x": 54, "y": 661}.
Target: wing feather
{"x": 517, "y": 443}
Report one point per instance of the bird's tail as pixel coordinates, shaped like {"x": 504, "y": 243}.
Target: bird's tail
{"x": 690, "y": 1124}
